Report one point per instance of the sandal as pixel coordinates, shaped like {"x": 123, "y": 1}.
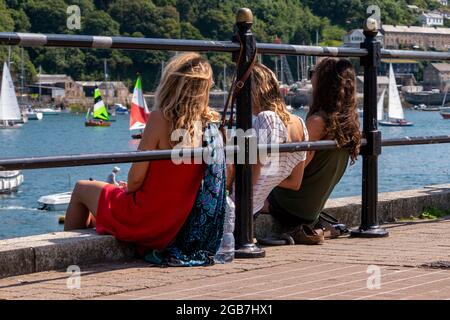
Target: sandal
{"x": 331, "y": 227}
{"x": 273, "y": 239}
{"x": 306, "y": 235}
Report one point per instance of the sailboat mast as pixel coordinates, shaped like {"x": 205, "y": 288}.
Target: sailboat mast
{"x": 106, "y": 83}
{"x": 40, "y": 85}
{"x": 22, "y": 77}
{"x": 9, "y": 57}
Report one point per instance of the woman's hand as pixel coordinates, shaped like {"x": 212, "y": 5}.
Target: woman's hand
{"x": 123, "y": 184}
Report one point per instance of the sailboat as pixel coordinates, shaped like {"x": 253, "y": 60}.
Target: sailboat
{"x": 445, "y": 112}
{"x": 10, "y": 116}
{"x": 396, "y": 116}
{"x": 139, "y": 110}
{"x": 100, "y": 116}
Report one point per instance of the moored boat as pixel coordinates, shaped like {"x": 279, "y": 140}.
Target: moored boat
{"x": 445, "y": 115}
{"x": 139, "y": 111}
{"x": 10, "y": 181}
{"x": 100, "y": 116}
{"x": 396, "y": 116}
{"x": 10, "y": 116}
{"x": 55, "y": 202}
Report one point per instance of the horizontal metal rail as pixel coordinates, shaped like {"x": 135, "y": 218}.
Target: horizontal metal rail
{"x": 131, "y": 43}
{"x": 78, "y": 160}
{"x": 139, "y": 156}
{"x": 407, "y": 141}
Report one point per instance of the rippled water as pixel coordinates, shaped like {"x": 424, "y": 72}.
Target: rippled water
{"x": 400, "y": 167}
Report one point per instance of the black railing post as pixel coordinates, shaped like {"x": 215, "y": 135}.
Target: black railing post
{"x": 245, "y": 248}
{"x": 369, "y": 222}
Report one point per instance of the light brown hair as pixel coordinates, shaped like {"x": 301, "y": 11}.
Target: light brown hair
{"x": 266, "y": 94}
{"x": 334, "y": 99}
{"x": 183, "y": 92}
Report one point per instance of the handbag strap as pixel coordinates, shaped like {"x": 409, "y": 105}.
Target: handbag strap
{"x": 237, "y": 85}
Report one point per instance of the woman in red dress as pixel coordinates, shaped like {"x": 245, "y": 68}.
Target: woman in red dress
{"x": 151, "y": 208}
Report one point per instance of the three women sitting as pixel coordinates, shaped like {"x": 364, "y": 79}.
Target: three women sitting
{"x": 161, "y": 205}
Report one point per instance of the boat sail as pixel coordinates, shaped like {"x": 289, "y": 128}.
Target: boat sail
{"x": 100, "y": 114}
{"x": 9, "y": 107}
{"x": 396, "y": 116}
{"x": 139, "y": 110}
{"x": 380, "y": 106}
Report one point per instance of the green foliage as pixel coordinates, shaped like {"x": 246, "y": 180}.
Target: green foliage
{"x": 434, "y": 213}
{"x": 294, "y": 21}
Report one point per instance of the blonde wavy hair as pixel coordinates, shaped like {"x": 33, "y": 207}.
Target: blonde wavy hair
{"x": 183, "y": 93}
{"x": 334, "y": 99}
{"x": 266, "y": 94}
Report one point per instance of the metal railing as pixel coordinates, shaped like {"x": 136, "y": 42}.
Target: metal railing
{"x": 370, "y": 55}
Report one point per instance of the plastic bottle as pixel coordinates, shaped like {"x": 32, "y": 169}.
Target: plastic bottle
{"x": 225, "y": 253}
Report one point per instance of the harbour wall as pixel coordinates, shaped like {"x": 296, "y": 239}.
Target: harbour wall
{"x": 60, "y": 250}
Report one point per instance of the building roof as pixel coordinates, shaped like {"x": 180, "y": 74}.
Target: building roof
{"x": 442, "y": 67}
{"x": 398, "y": 61}
{"x": 360, "y": 31}
{"x": 432, "y": 15}
{"x": 53, "y": 78}
{"x": 381, "y": 80}
{"x": 100, "y": 83}
{"x": 414, "y": 29}
{"x": 413, "y": 7}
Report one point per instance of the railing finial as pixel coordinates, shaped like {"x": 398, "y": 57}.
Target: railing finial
{"x": 370, "y": 27}
{"x": 244, "y": 15}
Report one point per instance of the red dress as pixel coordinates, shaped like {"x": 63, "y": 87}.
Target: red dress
{"x": 152, "y": 216}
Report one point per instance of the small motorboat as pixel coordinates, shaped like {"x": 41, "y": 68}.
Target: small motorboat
{"x": 48, "y": 111}
{"x": 396, "y": 123}
{"x": 445, "y": 114}
{"x": 30, "y": 114}
{"x": 10, "y": 181}
{"x": 55, "y": 202}
{"x": 120, "y": 109}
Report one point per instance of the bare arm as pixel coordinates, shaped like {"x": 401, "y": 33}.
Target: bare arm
{"x": 150, "y": 139}
{"x": 294, "y": 180}
{"x": 317, "y": 131}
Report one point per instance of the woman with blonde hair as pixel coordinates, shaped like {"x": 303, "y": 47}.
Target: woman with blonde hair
{"x": 332, "y": 116}
{"x": 274, "y": 125}
{"x": 152, "y": 207}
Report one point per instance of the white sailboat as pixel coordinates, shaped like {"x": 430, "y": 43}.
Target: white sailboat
{"x": 396, "y": 116}
{"x": 10, "y": 115}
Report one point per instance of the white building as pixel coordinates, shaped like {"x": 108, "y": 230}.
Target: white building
{"x": 356, "y": 36}
{"x": 431, "y": 19}
{"x": 443, "y": 2}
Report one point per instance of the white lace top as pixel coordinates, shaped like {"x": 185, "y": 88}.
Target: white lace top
{"x": 277, "y": 167}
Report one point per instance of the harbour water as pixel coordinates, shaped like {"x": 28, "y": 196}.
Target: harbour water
{"x": 400, "y": 167}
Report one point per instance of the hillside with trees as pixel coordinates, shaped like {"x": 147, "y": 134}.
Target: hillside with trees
{"x": 294, "y": 21}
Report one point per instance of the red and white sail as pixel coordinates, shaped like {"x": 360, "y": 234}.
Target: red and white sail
{"x": 139, "y": 110}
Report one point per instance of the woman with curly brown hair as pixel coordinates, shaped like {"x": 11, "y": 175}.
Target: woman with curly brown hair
{"x": 332, "y": 116}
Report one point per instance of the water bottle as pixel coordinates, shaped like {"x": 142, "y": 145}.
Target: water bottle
{"x": 226, "y": 250}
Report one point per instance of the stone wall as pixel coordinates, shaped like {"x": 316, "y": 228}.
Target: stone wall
{"x": 61, "y": 249}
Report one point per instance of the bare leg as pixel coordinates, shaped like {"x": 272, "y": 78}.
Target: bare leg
{"x": 83, "y": 203}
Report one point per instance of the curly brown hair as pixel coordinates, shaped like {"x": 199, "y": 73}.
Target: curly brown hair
{"x": 334, "y": 99}
{"x": 266, "y": 94}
